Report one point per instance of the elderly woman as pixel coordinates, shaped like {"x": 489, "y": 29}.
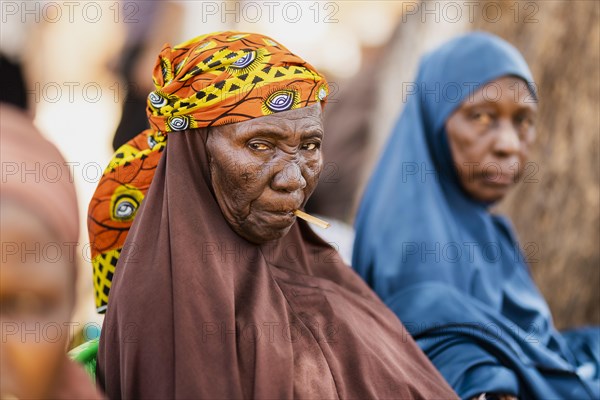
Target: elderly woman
{"x": 429, "y": 246}
{"x": 39, "y": 229}
{"x": 219, "y": 292}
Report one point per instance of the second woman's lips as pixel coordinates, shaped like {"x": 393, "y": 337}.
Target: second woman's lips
{"x": 500, "y": 180}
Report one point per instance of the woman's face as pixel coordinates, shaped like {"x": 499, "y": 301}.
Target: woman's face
{"x": 264, "y": 169}
{"x": 490, "y": 135}
{"x": 36, "y": 300}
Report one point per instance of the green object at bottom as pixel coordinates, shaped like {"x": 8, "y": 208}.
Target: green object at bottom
{"x": 85, "y": 354}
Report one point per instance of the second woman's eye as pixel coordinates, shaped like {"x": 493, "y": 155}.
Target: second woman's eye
{"x": 481, "y": 117}
{"x": 524, "y": 121}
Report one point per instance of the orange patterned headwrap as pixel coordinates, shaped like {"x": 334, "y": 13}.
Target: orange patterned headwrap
{"x": 215, "y": 79}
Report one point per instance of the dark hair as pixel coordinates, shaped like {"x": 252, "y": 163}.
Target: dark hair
{"x": 13, "y": 85}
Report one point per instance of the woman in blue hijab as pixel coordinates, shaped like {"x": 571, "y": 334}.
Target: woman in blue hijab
{"x": 427, "y": 244}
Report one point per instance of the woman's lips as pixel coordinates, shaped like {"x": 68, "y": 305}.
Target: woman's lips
{"x": 499, "y": 180}
{"x": 278, "y": 218}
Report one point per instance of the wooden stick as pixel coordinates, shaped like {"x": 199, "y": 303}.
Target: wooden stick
{"x": 314, "y": 220}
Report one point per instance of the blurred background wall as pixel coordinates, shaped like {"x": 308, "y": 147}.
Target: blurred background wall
{"x": 73, "y": 54}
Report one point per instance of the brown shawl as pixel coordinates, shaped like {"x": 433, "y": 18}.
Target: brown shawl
{"x": 196, "y": 311}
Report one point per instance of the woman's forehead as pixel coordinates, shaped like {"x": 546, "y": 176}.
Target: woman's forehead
{"x": 507, "y": 89}
{"x": 301, "y": 120}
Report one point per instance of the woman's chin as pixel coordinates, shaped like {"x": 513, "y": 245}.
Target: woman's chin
{"x": 489, "y": 193}
{"x": 494, "y": 197}
{"x": 261, "y": 235}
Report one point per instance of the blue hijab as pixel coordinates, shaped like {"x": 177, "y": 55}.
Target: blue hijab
{"x": 452, "y": 271}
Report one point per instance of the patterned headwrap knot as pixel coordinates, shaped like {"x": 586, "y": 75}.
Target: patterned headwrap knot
{"x": 214, "y": 79}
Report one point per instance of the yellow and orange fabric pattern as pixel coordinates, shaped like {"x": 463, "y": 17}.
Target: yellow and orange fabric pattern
{"x": 211, "y": 80}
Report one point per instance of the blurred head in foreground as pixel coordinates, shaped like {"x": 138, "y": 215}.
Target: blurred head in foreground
{"x": 39, "y": 230}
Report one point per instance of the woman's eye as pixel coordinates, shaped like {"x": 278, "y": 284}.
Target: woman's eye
{"x": 259, "y": 146}
{"x": 481, "y": 117}
{"x": 524, "y": 122}
{"x": 310, "y": 146}
{"x": 25, "y": 305}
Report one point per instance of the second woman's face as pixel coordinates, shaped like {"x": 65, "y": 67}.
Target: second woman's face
{"x": 490, "y": 135}
{"x": 264, "y": 169}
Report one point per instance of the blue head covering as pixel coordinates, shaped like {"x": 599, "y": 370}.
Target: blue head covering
{"x": 447, "y": 267}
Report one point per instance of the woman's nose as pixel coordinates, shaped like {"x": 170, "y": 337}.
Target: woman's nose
{"x": 289, "y": 178}
{"x": 507, "y": 142}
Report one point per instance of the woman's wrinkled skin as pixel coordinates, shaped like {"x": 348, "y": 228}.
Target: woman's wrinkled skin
{"x": 490, "y": 135}
{"x": 264, "y": 169}
{"x": 37, "y": 298}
